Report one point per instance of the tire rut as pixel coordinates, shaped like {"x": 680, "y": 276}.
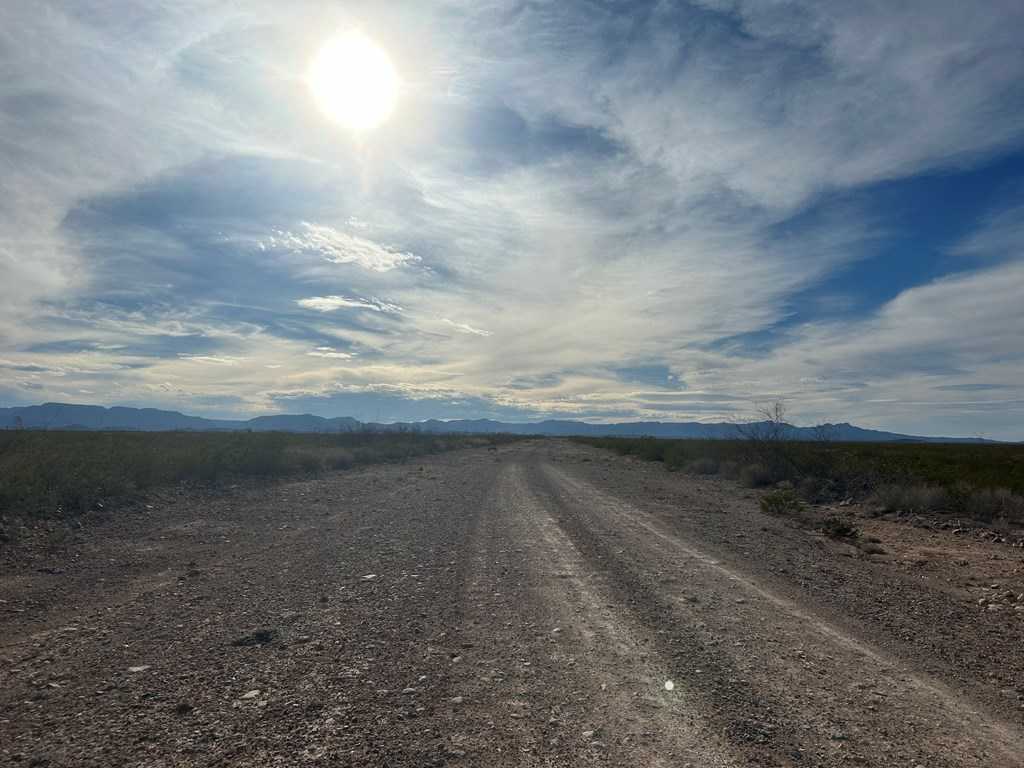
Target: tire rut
{"x": 822, "y": 696}
{"x": 591, "y": 668}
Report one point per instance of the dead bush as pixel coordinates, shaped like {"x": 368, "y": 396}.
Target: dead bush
{"x": 991, "y": 504}
{"x": 813, "y": 490}
{"x": 729, "y": 469}
{"x": 755, "y": 476}
{"x": 340, "y": 459}
{"x": 911, "y": 498}
{"x": 703, "y": 466}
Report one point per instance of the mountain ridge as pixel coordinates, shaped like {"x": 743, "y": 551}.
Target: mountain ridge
{"x": 69, "y": 416}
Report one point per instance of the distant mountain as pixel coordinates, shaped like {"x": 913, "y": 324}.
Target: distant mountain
{"x": 688, "y": 429}
{"x": 95, "y": 417}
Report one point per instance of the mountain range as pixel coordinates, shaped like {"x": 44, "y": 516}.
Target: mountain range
{"x": 63, "y": 416}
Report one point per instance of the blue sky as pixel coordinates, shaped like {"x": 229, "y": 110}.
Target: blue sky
{"x": 600, "y": 210}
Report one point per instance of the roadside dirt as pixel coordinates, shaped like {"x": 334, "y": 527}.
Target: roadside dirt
{"x": 543, "y": 605}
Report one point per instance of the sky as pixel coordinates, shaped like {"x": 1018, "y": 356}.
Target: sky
{"x": 601, "y": 210}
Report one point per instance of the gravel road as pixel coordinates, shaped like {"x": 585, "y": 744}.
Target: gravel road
{"x": 545, "y": 604}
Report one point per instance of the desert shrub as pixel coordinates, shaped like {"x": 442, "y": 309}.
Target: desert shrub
{"x": 783, "y": 502}
{"x": 813, "y": 489}
{"x": 913, "y": 498}
{"x": 901, "y": 476}
{"x": 993, "y": 504}
{"x": 755, "y": 476}
{"x": 309, "y": 462}
{"x": 703, "y": 467}
{"x": 729, "y": 469}
{"x": 68, "y": 473}
{"x": 339, "y": 459}
{"x": 837, "y": 528}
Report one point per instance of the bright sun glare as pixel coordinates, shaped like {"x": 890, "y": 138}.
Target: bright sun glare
{"x": 354, "y": 82}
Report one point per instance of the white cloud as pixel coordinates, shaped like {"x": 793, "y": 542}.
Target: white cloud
{"x": 332, "y": 303}
{"x": 339, "y": 247}
{"x": 214, "y": 359}
{"x": 330, "y": 352}
{"x": 466, "y": 328}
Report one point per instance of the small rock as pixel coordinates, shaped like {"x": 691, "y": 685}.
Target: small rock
{"x": 456, "y": 699}
{"x": 250, "y": 694}
{"x": 408, "y": 690}
{"x": 259, "y": 637}
{"x": 588, "y": 734}
{"x": 140, "y": 668}
{"x": 370, "y": 577}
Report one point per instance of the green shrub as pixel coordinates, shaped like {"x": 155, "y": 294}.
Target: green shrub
{"x": 837, "y": 528}
{"x": 783, "y": 503}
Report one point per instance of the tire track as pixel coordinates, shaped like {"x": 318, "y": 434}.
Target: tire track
{"x": 847, "y": 699}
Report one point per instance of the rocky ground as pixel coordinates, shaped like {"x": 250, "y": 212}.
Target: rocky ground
{"x": 545, "y": 604}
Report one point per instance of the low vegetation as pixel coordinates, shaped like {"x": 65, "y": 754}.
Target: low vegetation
{"x": 983, "y": 482}
{"x": 67, "y": 473}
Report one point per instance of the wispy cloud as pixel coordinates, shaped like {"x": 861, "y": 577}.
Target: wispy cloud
{"x": 693, "y": 230}
{"x": 330, "y": 353}
{"x": 339, "y": 247}
{"x": 214, "y": 359}
{"x": 466, "y": 328}
{"x": 332, "y": 303}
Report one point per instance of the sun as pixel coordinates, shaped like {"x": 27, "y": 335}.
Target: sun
{"x": 354, "y": 81}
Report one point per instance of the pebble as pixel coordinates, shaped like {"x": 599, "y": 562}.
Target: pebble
{"x": 250, "y": 694}
{"x": 456, "y": 699}
{"x": 408, "y": 690}
{"x": 140, "y": 668}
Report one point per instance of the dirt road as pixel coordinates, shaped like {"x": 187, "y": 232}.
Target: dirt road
{"x": 542, "y": 605}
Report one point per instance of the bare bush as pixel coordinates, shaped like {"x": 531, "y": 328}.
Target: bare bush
{"x": 812, "y": 489}
{"x": 911, "y": 498}
{"x": 769, "y": 440}
{"x": 755, "y": 476}
{"x": 703, "y": 467}
{"x": 989, "y": 504}
{"x": 729, "y": 469}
